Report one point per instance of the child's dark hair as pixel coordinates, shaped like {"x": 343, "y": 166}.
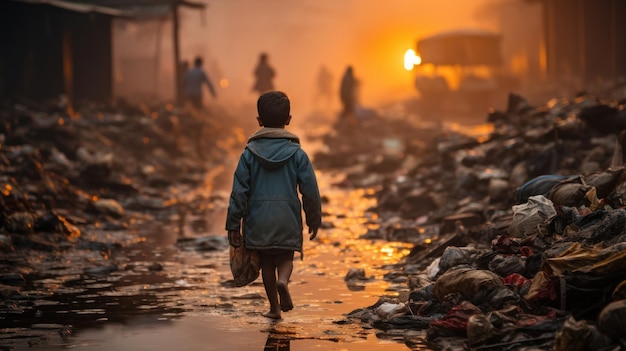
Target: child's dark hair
{"x": 274, "y": 109}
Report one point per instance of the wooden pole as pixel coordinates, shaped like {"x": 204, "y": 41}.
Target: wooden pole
{"x": 550, "y": 39}
{"x": 613, "y": 54}
{"x": 157, "y": 58}
{"x": 68, "y": 72}
{"x": 175, "y": 29}
{"x": 582, "y": 42}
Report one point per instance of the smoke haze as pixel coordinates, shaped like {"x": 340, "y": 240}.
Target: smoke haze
{"x": 301, "y": 35}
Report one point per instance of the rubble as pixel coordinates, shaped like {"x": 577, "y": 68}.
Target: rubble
{"x": 519, "y": 235}
{"x": 59, "y": 172}
{"x": 76, "y": 190}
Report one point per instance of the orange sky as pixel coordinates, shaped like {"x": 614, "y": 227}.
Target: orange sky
{"x": 301, "y": 35}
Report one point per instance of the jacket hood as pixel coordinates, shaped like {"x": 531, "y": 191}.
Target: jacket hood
{"x": 273, "y": 147}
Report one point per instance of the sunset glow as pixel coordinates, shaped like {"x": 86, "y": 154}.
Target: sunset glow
{"x": 411, "y": 59}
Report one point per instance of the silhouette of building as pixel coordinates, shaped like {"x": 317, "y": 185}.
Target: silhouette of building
{"x": 50, "y": 48}
{"x": 585, "y": 39}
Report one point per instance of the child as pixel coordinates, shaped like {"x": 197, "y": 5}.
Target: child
{"x": 271, "y": 170}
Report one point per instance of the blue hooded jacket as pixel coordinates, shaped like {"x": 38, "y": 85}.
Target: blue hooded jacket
{"x": 271, "y": 170}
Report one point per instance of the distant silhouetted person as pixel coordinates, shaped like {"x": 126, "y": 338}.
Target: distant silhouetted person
{"x": 264, "y": 75}
{"x": 192, "y": 84}
{"x": 348, "y": 92}
{"x": 324, "y": 86}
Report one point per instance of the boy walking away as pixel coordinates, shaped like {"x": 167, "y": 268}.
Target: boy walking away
{"x": 271, "y": 170}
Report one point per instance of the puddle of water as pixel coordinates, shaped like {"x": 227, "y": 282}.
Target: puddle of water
{"x": 185, "y": 303}
{"x": 187, "y": 306}
{"x": 202, "y": 333}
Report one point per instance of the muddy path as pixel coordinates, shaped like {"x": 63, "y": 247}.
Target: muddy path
{"x": 167, "y": 285}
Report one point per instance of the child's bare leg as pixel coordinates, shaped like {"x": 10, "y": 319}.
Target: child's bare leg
{"x": 268, "y": 272}
{"x": 285, "y": 268}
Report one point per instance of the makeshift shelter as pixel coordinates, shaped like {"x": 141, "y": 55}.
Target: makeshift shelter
{"x": 576, "y": 31}
{"x": 53, "y": 47}
{"x": 159, "y": 12}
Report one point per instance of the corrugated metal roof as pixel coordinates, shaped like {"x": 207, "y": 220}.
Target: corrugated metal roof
{"x": 148, "y": 8}
{"x": 126, "y": 3}
{"x": 82, "y": 7}
{"x": 120, "y": 8}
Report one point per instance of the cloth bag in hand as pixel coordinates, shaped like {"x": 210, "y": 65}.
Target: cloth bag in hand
{"x": 244, "y": 264}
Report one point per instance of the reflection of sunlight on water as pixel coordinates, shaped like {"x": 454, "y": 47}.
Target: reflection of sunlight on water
{"x": 347, "y": 216}
{"x": 320, "y": 294}
{"x": 204, "y": 313}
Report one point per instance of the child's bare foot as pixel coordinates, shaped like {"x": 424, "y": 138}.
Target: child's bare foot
{"x": 272, "y": 315}
{"x": 285, "y": 298}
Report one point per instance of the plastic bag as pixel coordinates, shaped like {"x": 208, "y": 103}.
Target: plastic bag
{"x": 526, "y": 217}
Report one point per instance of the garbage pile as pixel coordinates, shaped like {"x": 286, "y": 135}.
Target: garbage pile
{"x": 64, "y": 179}
{"x": 520, "y": 236}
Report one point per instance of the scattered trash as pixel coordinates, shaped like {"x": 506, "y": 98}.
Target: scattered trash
{"x": 528, "y": 245}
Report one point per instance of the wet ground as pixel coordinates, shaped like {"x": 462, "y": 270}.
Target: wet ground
{"x": 163, "y": 290}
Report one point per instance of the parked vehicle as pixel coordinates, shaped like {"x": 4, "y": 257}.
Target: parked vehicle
{"x": 460, "y": 70}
